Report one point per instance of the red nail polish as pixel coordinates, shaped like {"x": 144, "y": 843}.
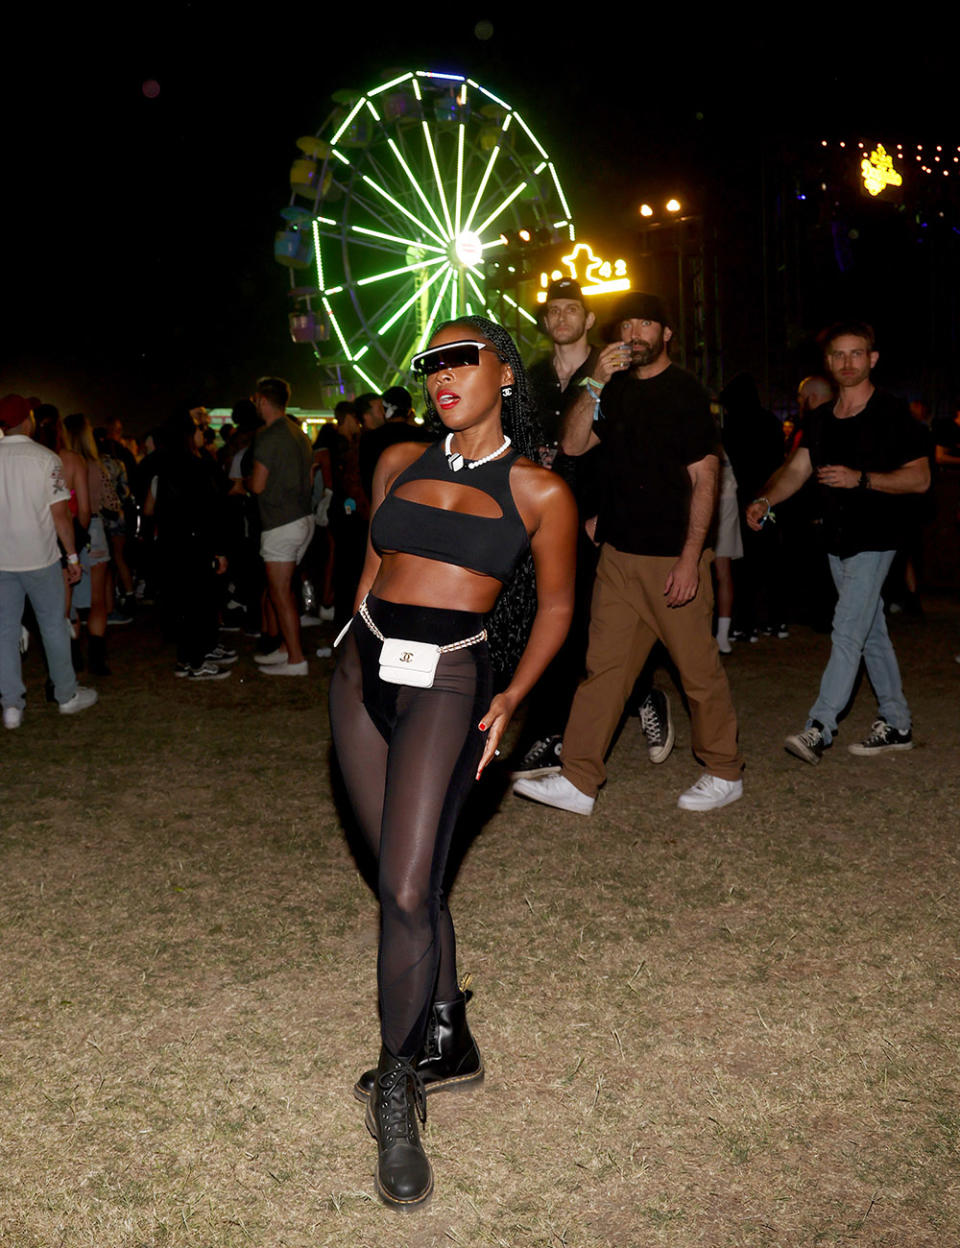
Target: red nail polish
{"x": 483, "y": 726}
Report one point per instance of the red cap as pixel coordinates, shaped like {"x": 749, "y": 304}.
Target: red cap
{"x": 14, "y": 410}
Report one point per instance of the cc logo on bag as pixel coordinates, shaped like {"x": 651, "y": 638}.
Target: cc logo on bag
{"x": 406, "y": 656}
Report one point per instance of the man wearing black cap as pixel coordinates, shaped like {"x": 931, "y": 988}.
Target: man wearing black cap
{"x": 556, "y": 381}
{"x": 398, "y": 426}
{"x": 659, "y": 461}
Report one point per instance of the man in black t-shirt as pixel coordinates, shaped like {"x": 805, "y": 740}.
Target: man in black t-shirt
{"x": 869, "y": 456}
{"x": 658, "y": 457}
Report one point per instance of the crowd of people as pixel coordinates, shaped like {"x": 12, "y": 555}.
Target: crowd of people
{"x": 244, "y": 528}
{"x": 548, "y": 537}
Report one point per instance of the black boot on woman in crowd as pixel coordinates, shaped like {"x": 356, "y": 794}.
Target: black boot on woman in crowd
{"x": 449, "y": 1059}
{"x": 404, "y": 1177}
{"x": 97, "y": 656}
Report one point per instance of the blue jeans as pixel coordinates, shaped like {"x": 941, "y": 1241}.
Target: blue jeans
{"x": 44, "y": 588}
{"x": 860, "y": 631}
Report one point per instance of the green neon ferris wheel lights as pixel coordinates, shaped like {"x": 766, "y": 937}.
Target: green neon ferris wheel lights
{"x": 420, "y": 179}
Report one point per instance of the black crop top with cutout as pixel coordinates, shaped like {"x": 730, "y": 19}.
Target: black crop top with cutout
{"x": 490, "y": 545}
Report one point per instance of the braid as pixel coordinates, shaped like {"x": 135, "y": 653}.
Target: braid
{"x": 509, "y": 622}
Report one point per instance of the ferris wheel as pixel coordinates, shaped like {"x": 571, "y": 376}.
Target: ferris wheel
{"x": 400, "y": 203}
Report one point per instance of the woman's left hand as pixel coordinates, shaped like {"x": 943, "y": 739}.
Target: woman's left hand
{"x": 494, "y": 724}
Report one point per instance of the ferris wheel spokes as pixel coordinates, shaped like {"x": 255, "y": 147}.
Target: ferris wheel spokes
{"x": 422, "y": 177}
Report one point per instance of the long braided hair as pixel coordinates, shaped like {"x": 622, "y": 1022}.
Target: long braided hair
{"x": 509, "y": 622}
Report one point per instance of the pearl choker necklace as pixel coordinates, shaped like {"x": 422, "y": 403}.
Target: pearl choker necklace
{"x": 456, "y": 460}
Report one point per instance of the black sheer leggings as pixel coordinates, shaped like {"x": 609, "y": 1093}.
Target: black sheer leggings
{"x": 409, "y": 757}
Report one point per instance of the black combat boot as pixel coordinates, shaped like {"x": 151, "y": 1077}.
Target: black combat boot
{"x": 449, "y": 1058}
{"x": 404, "y": 1177}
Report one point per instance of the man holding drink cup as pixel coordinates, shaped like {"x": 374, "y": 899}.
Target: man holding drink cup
{"x": 659, "y": 462}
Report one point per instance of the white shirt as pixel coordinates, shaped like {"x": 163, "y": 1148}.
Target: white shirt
{"x": 31, "y": 481}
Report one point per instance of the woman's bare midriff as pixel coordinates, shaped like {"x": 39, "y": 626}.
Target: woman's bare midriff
{"x": 421, "y": 582}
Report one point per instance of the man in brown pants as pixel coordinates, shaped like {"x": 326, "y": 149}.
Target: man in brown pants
{"x": 659, "y": 446}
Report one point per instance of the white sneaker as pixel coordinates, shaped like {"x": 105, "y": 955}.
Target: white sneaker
{"x": 710, "y": 793}
{"x": 326, "y": 614}
{"x": 556, "y": 791}
{"x": 275, "y": 656}
{"x": 286, "y": 669}
{"x": 12, "y": 716}
{"x": 79, "y": 702}
{"x": 324, "y": 652}
{"x": 308, "y": 621}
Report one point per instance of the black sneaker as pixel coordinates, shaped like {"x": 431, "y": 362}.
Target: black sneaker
{"x": 221, "y": 655}
{"x": 808, "y": 745}
{"x": 883, "y": 739}
{"x": 657, "y": 725}
{"x": 208, "y": 671}
{"x": 542, "y": 759}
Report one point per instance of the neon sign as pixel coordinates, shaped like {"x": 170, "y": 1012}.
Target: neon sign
{"x": 595, "y": 275}
{"x": 878, "y": 171}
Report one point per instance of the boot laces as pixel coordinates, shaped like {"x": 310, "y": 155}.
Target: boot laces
{"x": 396, "y": 1122}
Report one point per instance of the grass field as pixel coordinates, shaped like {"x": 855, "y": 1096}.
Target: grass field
{"x": 737, "y": 1029}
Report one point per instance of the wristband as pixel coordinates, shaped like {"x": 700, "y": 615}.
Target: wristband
{"x": 73, "y": 559}
{"x": 864, "y": 482}
{"x": 592, "y": 385}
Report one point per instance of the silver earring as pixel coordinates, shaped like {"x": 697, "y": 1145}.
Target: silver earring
{"x": 506, "y": 391}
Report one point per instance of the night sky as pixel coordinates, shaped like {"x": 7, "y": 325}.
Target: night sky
{"x": 138, "y": 269}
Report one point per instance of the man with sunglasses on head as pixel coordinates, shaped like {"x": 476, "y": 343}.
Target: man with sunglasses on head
{"x": 555, "y": 378}
{"x": 659, "y": 457}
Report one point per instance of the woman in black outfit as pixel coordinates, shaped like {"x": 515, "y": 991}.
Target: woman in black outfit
{"x": 451, "y": 525}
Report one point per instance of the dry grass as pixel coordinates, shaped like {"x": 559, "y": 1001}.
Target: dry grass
{"x": 738, "y": 1029}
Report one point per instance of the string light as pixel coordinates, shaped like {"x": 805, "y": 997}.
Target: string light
{"x": 927, "y": 163}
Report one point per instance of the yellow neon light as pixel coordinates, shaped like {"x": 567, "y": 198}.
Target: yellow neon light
{"x": 595, "y": 275}
{"x": 878, "y": 171}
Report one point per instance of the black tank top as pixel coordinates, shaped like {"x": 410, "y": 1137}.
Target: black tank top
{"x": 490, "y": 545}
